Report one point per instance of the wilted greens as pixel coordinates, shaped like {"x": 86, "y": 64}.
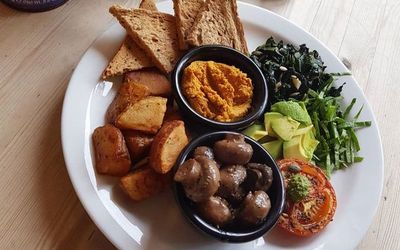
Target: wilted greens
{"x": 290, "y": 71}
{"x": 298, "y": 74}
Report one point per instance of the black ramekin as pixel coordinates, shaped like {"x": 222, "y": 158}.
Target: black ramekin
{"x": 276, "y": 193}
{"x": 231, "y": 57}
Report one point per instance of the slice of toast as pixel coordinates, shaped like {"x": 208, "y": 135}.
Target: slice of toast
{"x": 154, "y": 32}
{"x": 148, "y": 5}
{"x": 218, "y": 23}
{"x": 185, "y": 12}
{"x": 129, "y": 57}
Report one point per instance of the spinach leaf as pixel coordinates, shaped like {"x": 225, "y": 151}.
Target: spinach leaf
{"x": 290, "y": 71}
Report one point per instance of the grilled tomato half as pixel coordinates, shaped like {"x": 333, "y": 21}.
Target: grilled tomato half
{"x": 310, "y": 200}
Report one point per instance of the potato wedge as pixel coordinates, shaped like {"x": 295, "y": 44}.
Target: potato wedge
{"x": 138, "y": 144}
{"x": 143, "y": 183}
{"x": 172, "y": 113}
{"x": 167, "y": 145}
{"x": 111, "y": 153}
{"x": 157, "y": 82}
{"x": 128, "y": 93}
{"x": 145, "y": 115}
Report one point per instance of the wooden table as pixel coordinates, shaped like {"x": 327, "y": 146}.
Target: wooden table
{"x": 38, "y": 52}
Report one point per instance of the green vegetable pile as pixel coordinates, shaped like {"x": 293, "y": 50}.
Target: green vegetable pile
{"x": 338, "y": 143}
{"x": 298, "y": 74}
{"x": 289, "y": 71}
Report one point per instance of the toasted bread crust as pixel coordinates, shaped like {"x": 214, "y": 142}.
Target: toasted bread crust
{"x": 154, "y": 32}
{"x": 148, "y": 5}
{"x": 225, "y": 27}
{"x": 129, "y": 57}
{"x": 185, "y": 12}
{"x": 239, "y": 27}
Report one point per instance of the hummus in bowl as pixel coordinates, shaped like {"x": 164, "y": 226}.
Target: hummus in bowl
{"x": 217, "y": 91}
{"x": 218, "y": 88}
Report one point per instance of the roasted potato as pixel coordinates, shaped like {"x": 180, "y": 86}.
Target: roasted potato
{"x": 143, "y": 183}
{"x": 138, "y": 144}
{"x": 172, "y": 113}
{"x": 129, "y": 92}
{"x": 167, "y": 145}
{"x": 157, "y": 82}
{"x": 145, "y": 115}
{"x": 111, "y": 153}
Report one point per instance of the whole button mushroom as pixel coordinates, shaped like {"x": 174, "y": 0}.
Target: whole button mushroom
{"x": 233, "y": 150}
{"x": 207, "y": 181}
{"x": 255, "y": 208}
{"x": 231, "y": 178}
{"x": 216, "y": 211}
{"x": 188, "y": 173}
{"x": 204, "y": 151}
{"x": 259, "y": 177}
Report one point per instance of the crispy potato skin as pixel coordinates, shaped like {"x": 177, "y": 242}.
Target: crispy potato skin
{"x": 129, "y": 92}
{"x": 171, "y": 114}
{"x": 143, "y": 183}
{"x": 167, "y": 145}
{"x": 153, "y": 79}
{"x": 111, "y": 154}
{"x": 138, "y": 144}
{"x": 145, "y": 115}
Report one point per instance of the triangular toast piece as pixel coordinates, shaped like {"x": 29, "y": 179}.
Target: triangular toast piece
{"x": 218, "y": 23}
{"x": 185, "y": 13}
{"x": 148, "y": 5}
{"x": 129, "y": 57}
{"x": 154, "y": 32}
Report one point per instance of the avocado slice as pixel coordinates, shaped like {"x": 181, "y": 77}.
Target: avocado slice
{"x": 302, "y": 129}
{"x": 259, "y": 134}
{"x": 300, "y": 147}
{"x": 255, "y": 131}
{"x": 294, "y": 110}
{"x": 309, "y": 143}
{"x": 274, "y": 148}
{"x": 268, "y": 118}
{"x": 294, "y": 149}
{"x": 284, "y": 127}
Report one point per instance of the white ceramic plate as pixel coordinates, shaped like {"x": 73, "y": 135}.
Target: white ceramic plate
{"x": 157, "y": 223}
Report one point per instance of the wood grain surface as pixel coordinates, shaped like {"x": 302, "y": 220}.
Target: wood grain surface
{"x": 38, "y": 52}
